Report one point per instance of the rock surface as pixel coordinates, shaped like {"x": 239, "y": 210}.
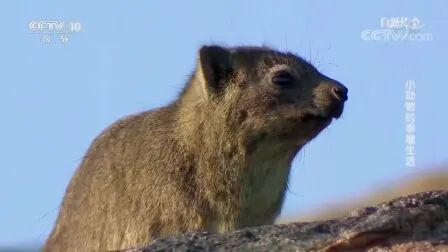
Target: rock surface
{"x": 413, "y": 223}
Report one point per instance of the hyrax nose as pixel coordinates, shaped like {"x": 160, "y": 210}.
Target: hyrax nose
{"x": 339, "y": 91}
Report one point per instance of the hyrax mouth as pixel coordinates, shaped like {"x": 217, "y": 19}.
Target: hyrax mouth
{"x": 324, "y": 114}
{"x": 335, "y": 110}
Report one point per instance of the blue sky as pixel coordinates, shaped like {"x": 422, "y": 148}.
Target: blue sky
{"x": 132, "y": 56}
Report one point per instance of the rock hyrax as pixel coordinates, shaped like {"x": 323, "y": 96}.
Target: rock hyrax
{"x": 215, "y": 159}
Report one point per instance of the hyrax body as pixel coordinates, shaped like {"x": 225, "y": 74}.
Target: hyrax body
{"x": 216, "y": 159}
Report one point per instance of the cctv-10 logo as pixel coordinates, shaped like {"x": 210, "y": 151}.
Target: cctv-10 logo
{"x": 54, "y": 26}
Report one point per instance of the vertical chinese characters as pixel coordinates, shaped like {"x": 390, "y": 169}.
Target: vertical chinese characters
{"x": 410, "y": 123}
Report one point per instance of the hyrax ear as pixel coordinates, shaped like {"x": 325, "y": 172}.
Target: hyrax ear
{"x": 215, "y": 65}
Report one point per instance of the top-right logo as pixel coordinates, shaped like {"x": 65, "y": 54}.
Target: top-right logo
{"x": 398, "y": 29}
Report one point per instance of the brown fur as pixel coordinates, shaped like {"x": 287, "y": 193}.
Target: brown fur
{"x": 216, "y": 159}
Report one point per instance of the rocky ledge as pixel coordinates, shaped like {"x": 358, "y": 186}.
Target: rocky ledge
{"x": 413, "y": 223}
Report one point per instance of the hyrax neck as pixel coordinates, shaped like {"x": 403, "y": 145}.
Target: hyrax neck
{"x": 242, "y": 179}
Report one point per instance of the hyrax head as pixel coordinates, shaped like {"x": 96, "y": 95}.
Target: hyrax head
{"x": 266, "y": 93}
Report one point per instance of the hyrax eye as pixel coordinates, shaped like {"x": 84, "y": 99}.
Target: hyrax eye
{"x": 283, "y": 79}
